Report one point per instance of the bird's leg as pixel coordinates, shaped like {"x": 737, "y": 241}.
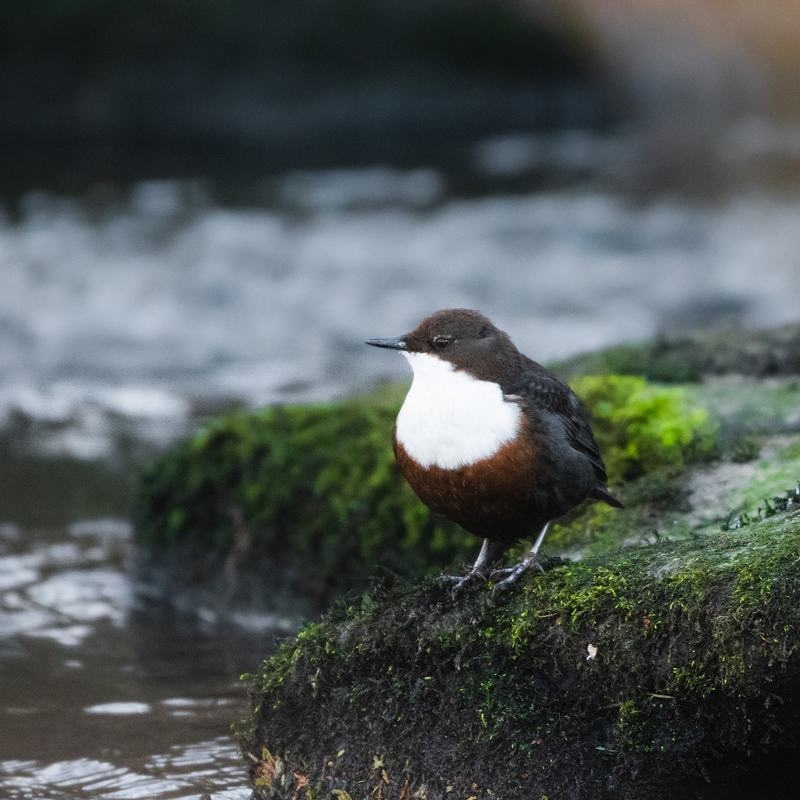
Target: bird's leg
{"x": 480, "y": 569}
{"x": 530, "y": 561}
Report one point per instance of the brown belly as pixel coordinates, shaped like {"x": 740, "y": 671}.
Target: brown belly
{"x": 498, "y": 498}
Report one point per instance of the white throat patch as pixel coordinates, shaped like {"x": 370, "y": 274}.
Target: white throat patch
{"x": 450, "y": 419}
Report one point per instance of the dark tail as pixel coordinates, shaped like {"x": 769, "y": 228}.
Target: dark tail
{"x": 601, "y": 493}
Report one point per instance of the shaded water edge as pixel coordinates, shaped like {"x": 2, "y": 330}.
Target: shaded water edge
{"x": 225, "y": 587}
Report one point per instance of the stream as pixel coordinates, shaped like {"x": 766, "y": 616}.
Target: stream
{"x": 128, "y": 314}
{"x": 102, "y": 695}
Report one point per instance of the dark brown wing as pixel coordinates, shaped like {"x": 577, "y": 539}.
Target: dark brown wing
{"x": 538, "y": 388}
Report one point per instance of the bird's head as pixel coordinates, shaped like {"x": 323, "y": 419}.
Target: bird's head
{"x": 466, "y": 339}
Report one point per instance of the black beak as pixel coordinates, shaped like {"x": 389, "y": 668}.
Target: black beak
{"x": 392, "y": 344}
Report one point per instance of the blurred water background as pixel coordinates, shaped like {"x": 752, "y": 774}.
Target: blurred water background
{"x": 212, "y": 204}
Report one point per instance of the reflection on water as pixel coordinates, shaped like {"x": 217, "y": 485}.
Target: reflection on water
{"x": 102, "y": 697}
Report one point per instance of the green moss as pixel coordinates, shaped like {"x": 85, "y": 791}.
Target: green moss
{"x": 643, "y": 427}
{"x": 616, "y": 676}
{"x": 661, "y": 360}
{"x": 317, "y": 485}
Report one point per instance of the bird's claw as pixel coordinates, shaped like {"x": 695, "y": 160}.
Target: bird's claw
{"x": 512, "y": 573}
{"x": 463, "y": 581}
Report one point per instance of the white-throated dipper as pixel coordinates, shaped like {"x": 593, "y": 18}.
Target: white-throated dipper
{"x": 490, "y": 439}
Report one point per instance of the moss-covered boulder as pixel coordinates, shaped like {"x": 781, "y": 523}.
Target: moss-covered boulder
{"x": 306, "y": 498}
{"x": 680, "y": 359}
{"x": 264, "y": 507}
{"x": 641, "y": 674}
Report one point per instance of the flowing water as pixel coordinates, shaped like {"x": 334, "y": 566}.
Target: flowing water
{"x": 127, "y": 313}
{"x": 103, "y": 696}
{"x": 103, "y": 693}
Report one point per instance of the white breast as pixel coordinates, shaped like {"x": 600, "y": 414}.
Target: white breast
{"x": 449, "y": 419}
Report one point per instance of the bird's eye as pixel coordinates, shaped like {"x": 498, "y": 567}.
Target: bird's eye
{"x": 440, "y": 342}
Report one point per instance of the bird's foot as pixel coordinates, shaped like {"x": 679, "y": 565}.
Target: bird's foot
{"x": 463, "y": 581}
{"x": 531, "y": 561}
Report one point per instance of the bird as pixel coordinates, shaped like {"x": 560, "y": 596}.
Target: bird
{"x": 490, "y": 439}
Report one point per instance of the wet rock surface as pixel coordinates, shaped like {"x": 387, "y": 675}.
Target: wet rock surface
{"x": 657, "y": 672}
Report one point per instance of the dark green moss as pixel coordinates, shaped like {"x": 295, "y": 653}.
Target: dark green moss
{"x": 660, "y": 360}
{"x": 312, "y": 485}
{"x": 769, "y": 352}
{"x": 620, "y": 676}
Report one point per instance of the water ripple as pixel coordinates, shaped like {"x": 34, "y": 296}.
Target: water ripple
{"x": 171, "y": 776}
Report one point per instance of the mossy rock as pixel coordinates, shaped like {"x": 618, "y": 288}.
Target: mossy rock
{"x": 640, "y": 674}
{"x": 310, "y": 497}
{"x": 680, "y": 359}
